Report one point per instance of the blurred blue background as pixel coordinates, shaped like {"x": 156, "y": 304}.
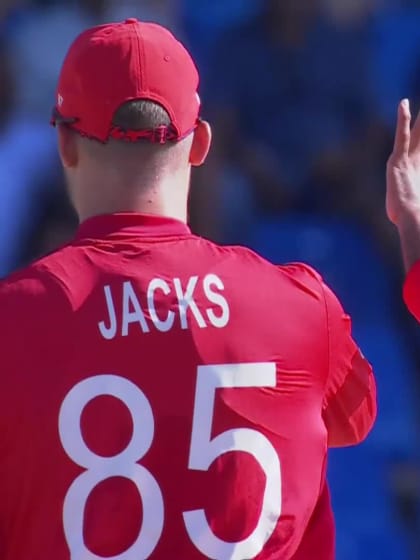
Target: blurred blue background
{"x": 302, "y": 95}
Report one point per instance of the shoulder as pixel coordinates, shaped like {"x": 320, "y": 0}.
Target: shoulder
{"x": 303, "y": 275}
{"x": 248, "y": 257}
{"x": 35, "y": 314}
{"x": 36, "y": 285}
{"x": 248, "y": 264}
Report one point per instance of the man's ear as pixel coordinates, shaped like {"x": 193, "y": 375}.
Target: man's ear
{"x": 201, "y": 144}
{"x": 67, "y": 147}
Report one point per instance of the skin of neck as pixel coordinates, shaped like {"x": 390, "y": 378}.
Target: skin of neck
{"x": 104, "y": 191}
{"x": 114, "y": 177}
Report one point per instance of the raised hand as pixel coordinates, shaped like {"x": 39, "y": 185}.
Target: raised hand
{"x": 403, "y": 169}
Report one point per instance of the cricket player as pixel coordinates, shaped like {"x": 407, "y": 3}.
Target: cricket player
{"x": 403, "y": 200}
{"x": 164, "y": 397}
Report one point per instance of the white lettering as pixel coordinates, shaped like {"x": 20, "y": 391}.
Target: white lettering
{"x": 135, "y": 316}
{"x": 220, "y": 320}
{"x": 200, "y": 301}
{"x": 186, "y": 301}
{"x": 109, "y": 332}
{"x": 161, "y": 325}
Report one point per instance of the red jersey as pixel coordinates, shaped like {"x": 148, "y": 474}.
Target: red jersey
{"x": 165, "y": 397}
{"x": 412, "y": 290}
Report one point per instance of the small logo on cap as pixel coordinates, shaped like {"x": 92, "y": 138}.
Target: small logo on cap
{"x": 60, "y": 100}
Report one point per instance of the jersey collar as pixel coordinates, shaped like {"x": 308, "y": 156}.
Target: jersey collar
{"x": 128, "y": 224}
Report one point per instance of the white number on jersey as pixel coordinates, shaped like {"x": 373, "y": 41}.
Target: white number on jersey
{"x": 203, "y": 452}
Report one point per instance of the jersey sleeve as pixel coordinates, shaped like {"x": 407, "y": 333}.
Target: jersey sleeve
{"x": 411, "y": 290}
{"x": 349, "y": 408}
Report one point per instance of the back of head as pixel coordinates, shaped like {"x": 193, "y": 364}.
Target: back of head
{"x": 128, "y": 93}
{"x": 111, "y": 65}
{"x": 141, "y": 157}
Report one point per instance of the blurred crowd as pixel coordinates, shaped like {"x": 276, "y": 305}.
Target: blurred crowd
{"x": 302, "y": 95}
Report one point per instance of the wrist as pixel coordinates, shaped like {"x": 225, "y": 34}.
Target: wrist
{"x": 409, "y": 231}
{"x": 408, "y": 218}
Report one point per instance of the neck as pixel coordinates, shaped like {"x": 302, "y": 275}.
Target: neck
{"x": 168, "y": 199}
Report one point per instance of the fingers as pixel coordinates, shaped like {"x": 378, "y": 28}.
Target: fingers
{"x": 403, "y": 133}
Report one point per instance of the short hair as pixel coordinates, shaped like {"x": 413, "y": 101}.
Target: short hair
{"x": 141, "y": 114}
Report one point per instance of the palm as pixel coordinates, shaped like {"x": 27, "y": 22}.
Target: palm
{"x": 403, "y": 190}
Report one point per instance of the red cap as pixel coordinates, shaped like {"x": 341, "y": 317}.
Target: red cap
{"x": 111, "y": 64}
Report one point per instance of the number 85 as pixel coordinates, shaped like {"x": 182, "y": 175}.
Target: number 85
{"x": 203, "y": 451}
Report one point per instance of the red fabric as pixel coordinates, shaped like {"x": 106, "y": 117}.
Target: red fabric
{"x": 412, "y": 290}
{"x": 111, "y": 64}
{"x": 181, "y": 304}
{"x": 318, "y": 542}
{"x": 350, "y": 396}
